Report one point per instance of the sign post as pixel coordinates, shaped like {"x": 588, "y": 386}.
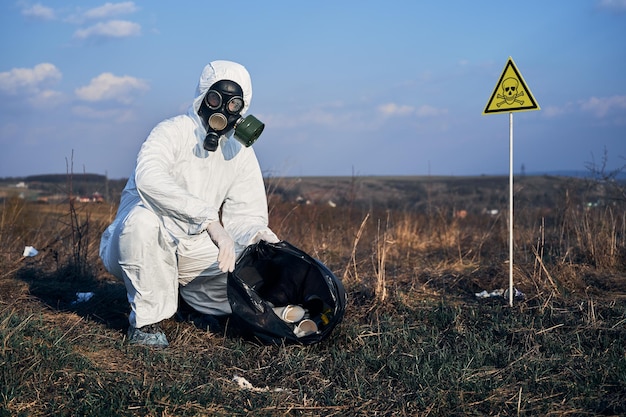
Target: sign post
{"x": 510, "y": 95}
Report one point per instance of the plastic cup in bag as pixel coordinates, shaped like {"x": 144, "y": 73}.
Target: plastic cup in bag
{"x": 305, "y": 328}
{"x": 290, "y": 313}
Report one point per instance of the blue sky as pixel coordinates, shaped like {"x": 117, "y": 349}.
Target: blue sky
{"x": 344, "y": 88}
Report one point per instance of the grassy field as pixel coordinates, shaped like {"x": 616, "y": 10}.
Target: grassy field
{"x": 415, "y": 341}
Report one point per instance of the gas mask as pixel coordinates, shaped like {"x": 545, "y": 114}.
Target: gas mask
{"x": 221, "y": 112}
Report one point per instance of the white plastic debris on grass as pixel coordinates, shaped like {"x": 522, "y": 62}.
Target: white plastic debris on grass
{"x": 30, "y": 251}
{"x": 245, "y": 384}
{"x": 500, "y": 293}
{"x": 82, "y": 297}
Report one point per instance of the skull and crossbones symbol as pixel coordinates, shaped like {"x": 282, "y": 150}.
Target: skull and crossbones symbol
{"x": 510, "y": 92}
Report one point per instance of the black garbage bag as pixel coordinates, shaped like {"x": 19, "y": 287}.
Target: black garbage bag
{"x": 269, "y": 275}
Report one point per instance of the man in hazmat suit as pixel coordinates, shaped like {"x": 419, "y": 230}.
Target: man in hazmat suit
{"x": 168, "y": 237}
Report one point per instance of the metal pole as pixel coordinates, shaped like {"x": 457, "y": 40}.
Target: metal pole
{"x": 511, "y": 209}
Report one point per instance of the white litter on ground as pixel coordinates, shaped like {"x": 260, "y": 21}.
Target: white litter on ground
{"x": 30, "y": 251}
{"x": 245, "y": 384}
{"x": 82, "y": 297}
{"x": 499, "y": 293}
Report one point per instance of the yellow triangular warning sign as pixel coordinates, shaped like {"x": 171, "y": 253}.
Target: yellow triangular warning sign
{"x": 511, "y": 93}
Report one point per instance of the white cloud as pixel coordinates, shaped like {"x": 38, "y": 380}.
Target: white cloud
{"x": 29, "y": 80}
{"x": 47, "y": 99}
{"x": 110, "y": 9}
{"x": 430, "y": 111}
{"x": 107, "y": 115}
{"x": 317, "y": 117}
{"x": 104, "y": 12}
{"x": 600, "y": 107}
{"x": 38, "y": 11}
{"x": 393, "y": 109}
{"x": 110, "y": 29}
{"x": 109, "y": 87}
{"x": 612, "y": 5}
{"x": 553, "y": 111}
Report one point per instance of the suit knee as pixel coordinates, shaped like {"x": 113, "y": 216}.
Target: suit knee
{"x": 140, "y": 225}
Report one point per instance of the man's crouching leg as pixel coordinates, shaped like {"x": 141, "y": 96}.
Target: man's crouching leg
{"x": 147, "y": 259}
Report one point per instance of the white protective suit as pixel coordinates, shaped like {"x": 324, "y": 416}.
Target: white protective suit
{"x": 158, "y": 243}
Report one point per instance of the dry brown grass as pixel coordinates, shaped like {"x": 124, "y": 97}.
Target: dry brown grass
{"x": 415, "y": 340}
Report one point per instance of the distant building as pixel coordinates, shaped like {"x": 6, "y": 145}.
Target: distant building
{"x": 94, "y": 198}
{"x": 97, "y": 198}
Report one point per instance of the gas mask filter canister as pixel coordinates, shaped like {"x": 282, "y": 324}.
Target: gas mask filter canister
{"x": 221, "y": 111}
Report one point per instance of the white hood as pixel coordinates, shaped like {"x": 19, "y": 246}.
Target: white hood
{"x": 222, "y": 70}
{"x": 212, "y": 73}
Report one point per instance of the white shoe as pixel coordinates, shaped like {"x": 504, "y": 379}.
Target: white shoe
{"x": 150, "y": 335}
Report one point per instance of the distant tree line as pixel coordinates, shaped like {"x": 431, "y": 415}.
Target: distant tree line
{"x": 63, "y": 178}
{"x": 81, "y": 184}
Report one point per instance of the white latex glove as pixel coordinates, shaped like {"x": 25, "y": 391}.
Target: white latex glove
{"x": 269, "y": 237}
{"x": 219, "y": 236}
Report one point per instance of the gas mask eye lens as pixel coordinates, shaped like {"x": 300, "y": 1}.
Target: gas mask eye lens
{"x": 234, "y": 105}
{"x": 213, "y": 99}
